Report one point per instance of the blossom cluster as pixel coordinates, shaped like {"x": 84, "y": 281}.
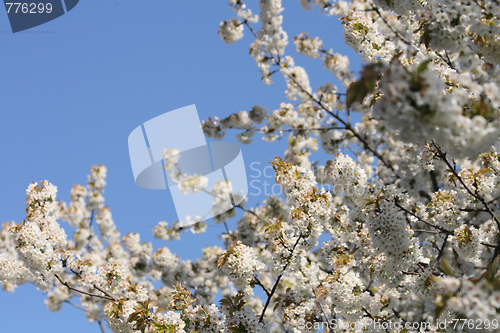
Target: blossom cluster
{"x": 397, "y": 218}
{"x": 415, "y": 103}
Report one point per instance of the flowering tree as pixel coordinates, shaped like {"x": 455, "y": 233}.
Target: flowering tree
{"x": 403, "y": 230}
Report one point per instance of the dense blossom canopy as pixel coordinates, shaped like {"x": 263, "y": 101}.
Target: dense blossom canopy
{"x": 397, "y": 232}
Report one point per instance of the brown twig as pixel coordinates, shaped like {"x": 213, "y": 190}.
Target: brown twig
{"x": 258, "y": 283}
{"x": 86, "y": 311}
{"x": 442, "y": 155}
{"x": 77, "y": 306}
{"x": 95, "y": 286}
{"x": 435, "y": 185}
{"x": 489, "y": 245}
{"x": 443, "y": 230}
{"x": 446, "y": 60}
{"x": 64, "y": 283}
{"x": 346, "y": 125}
{"x": 440, "y": 254}
{"x": 397, "y": 33}
{"x": 273, "y": 290}
{"x": 102, "y": 327}
{"x": 427, "y": 231}
{"x": 249, "y": 211}
{"x": 472, "y": 210}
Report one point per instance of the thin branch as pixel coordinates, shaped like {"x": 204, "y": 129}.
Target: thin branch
{"x": 367, "y": 313}
{"x": 296, "y": 129}
{"x": 91, "y": 219}
{"x": 86, "y": 311}
{"x": 422, "y": 267}
{"x": 347, "y": 125}
{"x": 397, "y": 33}
{"x": 227, "y": 229}
{"x": 489, "y": 245}
{"x": 324, "y": 314}
{"x": 245, "y": 22}
{"x": 100, "y": 325}
{"x": 77, "y": 306}
{"x": 442, "y": 155}
{"x": 472, "y": 210}
{"x": 441, "y": 251}
{"x": 81, "y": 291}
{"x": 229, "y": 233}
{"x": 472, "y": 217}
{"x": 292, "y": 129}
{"x": 443, "y": 230}
{"x": 249, "y": 211}
{"x": 398, "y": 315}
{"x": 109, "y": 296}
{"x": 273, "y": 290}
{"x": 91, "y": 234}
{"x": 435, "y": 185}
{"x": 425, "y": 195}
{"x": 494, "y": 199}
{"x": 427, "y": 231}
{"x": 258, "y": 283}
{"x": 447, "y": 60}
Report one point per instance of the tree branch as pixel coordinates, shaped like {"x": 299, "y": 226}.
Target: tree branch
{"x": 347, "y": 124}
{"x": 442, "y": 155}
{"x": 397, "y": 33}
{"x": 249, "y": 211}
{"x": 443, "y": 230}
{"x": 86, "y": 311}
{"x": 435, "y": 185}
{"x": 258, "y": 283}
{"x": 81, "y": 291}
{"x": 111, "y": 297}
{"x": 441, "y": 251}
{"x": 100, "y": 325}
{"x": 273, "y": 290}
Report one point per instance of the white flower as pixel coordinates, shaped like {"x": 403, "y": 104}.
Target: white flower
{"x": 240, "y": 263}
{"x": 231, "y": 30}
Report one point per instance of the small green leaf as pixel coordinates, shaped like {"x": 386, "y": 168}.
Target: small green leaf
{"x": 491, "y": 270}
{"x": 355, "y": 92}
{"x": 366, "y": 84}
{"x": 445, "y": 265}
{"x": 276, "y": 305}
{"x": 133, "y": 317}
{"x": 422, "y": 67}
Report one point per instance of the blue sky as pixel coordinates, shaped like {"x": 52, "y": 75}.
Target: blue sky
{"x": 73, "y": 89}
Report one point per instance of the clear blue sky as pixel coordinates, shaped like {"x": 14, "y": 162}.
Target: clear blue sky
{"x": 72, "y": 90}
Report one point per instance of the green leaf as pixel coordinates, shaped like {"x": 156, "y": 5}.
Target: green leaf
{"x": 422, "y": 67}
{"x": 133, "y": 317}
{"x": 356, "y": 92}
{"x": 276, "y": 305}
{"x": 491, "y": 270}
{"x": 426, "y": 35}
{"x": 485, "y": 170}
{"x": 445, "y": 265}
{"x": 366, "y": 84}
{"x": 440, "y": 303}
{"x": 238, "y": 329}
